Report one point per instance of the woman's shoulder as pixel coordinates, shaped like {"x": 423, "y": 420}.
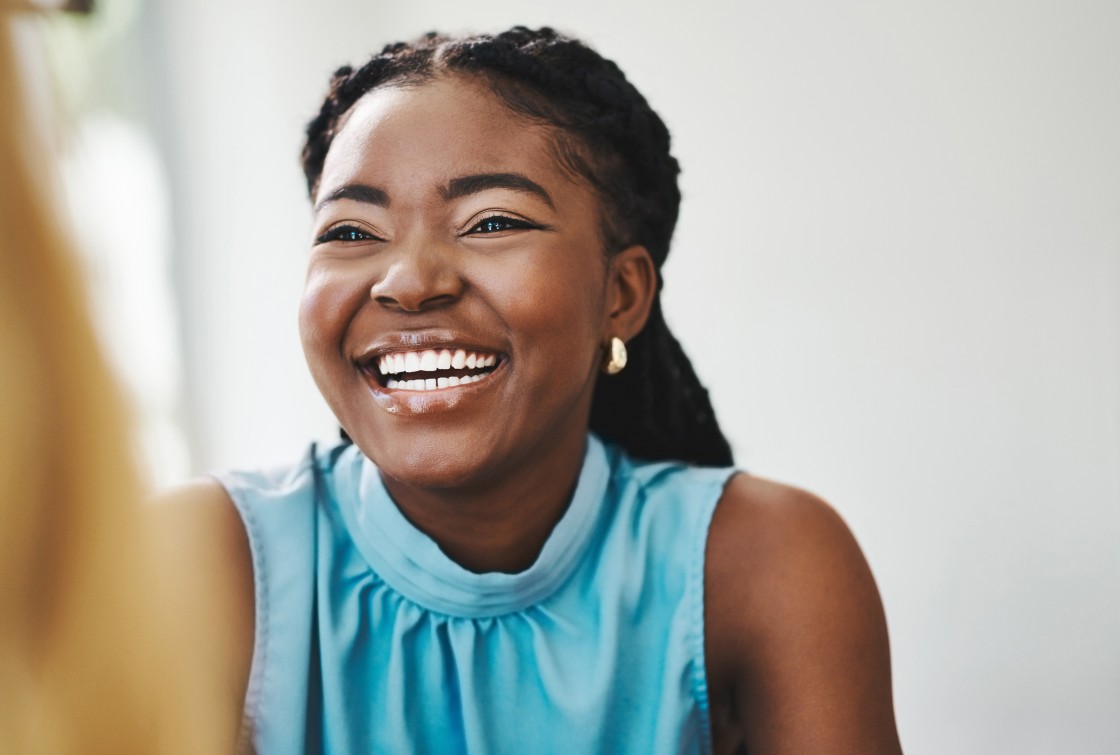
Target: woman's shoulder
{"x": 772, "y": 523}
{"x": 670, "y": 479}
{"x": 795, "y": 630}
{"x": 208, "y": 579}
{"x": 198, "y": 523}
{"x": 777, "y": 555}
{"x": 290, "y": 479}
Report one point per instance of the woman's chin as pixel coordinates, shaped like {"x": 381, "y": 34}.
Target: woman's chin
{"x": 433, "y": 465}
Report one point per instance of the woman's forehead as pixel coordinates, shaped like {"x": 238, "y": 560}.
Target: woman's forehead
{"x": 437, "y": 130}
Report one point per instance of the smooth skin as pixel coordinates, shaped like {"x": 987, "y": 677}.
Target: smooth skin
{"x": 407, "y": 253}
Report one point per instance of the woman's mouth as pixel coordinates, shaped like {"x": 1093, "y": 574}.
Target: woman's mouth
{"x": 432, "y": 369}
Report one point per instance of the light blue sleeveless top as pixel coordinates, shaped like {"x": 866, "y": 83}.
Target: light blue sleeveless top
{"x": 370, "y": 640}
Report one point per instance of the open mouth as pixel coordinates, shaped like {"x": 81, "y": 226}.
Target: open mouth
{"x": 432, "y": 369}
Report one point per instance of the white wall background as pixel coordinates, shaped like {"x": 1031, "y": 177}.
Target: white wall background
{"x": 897, "y": 267}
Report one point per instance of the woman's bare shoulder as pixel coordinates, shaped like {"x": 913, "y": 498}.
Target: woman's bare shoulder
{"x": 202, "y": 501}
{"x": 204, "y": 549}
{"x": 796, "y": 637}
{"x": 202, "y": 532}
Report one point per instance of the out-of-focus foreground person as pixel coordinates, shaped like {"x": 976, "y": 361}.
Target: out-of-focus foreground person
{"x": 92, "y": 660}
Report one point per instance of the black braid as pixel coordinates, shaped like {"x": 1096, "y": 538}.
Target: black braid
{"x": 606, "y": 132}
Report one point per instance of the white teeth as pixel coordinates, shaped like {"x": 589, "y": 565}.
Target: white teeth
{"x": 431, "y": 384}
{"x": 431, "y": 360}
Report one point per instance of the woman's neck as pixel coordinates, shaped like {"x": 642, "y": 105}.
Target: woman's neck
{"x": 500, "y": 525}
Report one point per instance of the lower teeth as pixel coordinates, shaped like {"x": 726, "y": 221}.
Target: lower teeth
{"x": 430, "y": 384}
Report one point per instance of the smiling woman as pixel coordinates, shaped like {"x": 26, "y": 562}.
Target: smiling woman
{"x": 535, "y": 541}
{"x": 507, "y": 265}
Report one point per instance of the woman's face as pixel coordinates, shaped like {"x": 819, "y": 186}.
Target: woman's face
{"x": 457, "y": 292}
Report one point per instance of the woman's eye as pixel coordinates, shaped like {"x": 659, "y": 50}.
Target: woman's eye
{"x": 345, "y": 233}
{"x": 498, "y": 223}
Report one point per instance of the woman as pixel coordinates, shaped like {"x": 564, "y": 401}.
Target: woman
{"x": 477, "y": 572}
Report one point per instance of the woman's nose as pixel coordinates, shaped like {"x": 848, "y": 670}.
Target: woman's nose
{"x": 418, "y": 279}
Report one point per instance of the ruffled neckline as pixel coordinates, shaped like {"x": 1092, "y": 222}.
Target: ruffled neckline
{"x": 412, "y": 564}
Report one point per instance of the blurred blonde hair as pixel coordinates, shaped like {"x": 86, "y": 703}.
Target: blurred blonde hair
{"x": 88, "y": 658}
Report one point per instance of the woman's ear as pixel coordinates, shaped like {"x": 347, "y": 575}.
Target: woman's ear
{"x": 631, "y": 288}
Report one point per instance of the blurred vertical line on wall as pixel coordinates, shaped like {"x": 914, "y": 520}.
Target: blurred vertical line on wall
{"x": 236, "y": 85}
{"x": 165, "y": 29}
{"x": 114, "y": 183}
{"x": 153, "y": 49}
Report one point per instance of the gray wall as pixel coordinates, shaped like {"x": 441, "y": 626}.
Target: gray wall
{"x": 897, "y": 268}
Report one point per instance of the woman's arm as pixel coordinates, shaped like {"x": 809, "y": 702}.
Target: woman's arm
{"x": 798, "y": 657}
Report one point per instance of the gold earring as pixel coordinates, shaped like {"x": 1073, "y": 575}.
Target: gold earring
{"x": 618, "y": 357}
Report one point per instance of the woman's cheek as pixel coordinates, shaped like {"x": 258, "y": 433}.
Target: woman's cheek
{"x": 322, "y": 311}
{"x": 543, "y": 292}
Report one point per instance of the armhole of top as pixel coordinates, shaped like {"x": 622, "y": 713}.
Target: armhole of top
{"x": 713, "y": 492}
{"x": 241, "y": 493}
{"x": 237, "y": 494}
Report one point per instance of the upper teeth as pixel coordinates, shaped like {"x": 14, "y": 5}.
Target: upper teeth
{"x": 431, "y": 360}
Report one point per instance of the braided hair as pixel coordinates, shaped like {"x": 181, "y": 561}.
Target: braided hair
{"x": 605, "y": 132}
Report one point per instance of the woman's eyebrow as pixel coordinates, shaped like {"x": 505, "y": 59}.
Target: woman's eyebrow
{"x": 357, "y": 192}
{"x": 464, "y": 185}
